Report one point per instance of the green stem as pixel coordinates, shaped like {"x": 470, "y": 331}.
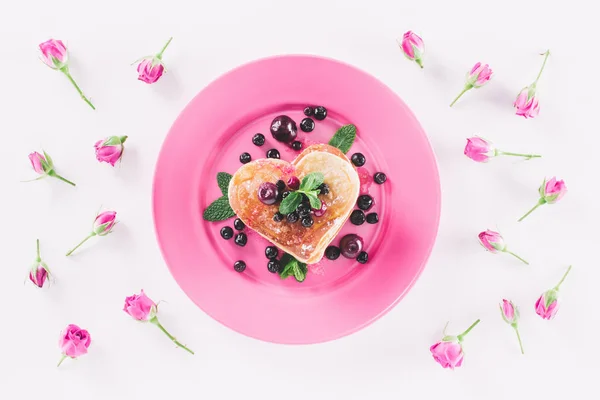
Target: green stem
{"x": 462, "y": 335}
{"x": 80, "y": 243}
{"x": 527, "y": 156}
{"x": 547, "y": 53}
{"x": 514, "y": 255}
{"x": 533, "y": 209}
{"x": 173, "y": 339}
{"x": 68, "y": 74}
{"x": 563, "y": 278}
{"x": 159, "y": 55}
{"x": 61, "y": 360}
{"x": 419, "y": 62}
{"x": 519, "y": 337}
{"x": 467, "y": 87}
{"x": 122, "y": 139}
{"x": 38, "y": 259}
{"x": 55, "y": 175}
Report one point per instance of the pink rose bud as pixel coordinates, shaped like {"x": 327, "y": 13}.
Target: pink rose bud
{"x": 43, "y": 165}
{"x": 510, "y": 315}
{"x": 494, "y": 243}
{"x": 103, "y": 225}
{"x": 449, "y": 352}
{"x": 547, "y": 305}
{"x": 481, "y": 150}
{"x": 141, "y": 308}
{"x": 55, "y": 55}
{"x": 74, "y": 342}
{"x": 479, "y": 75}
{"x": 151, "y": 68}
{"x": 550, "y": 191}
{"x": 526, "y": 103}
{"x": 110, "y": 150}
{"x": 412, "y": 46}
{"x": 39, "y": 271}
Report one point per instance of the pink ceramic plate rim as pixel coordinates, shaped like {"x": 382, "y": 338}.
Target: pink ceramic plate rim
{"x": 240, "y": 304}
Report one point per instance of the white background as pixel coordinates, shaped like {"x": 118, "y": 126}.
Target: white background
{"x": 388, "y": 360}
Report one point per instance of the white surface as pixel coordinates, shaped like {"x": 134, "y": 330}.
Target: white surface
{"x": 388, "y": 360}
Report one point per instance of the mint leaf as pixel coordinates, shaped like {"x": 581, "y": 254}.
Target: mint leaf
{"x": 311, "y": 181}
{"x": 344, "y": 137}
{"x": 218, "y": 210}
{"x": 223, "y": 179}
{"x": 300, "y": 271}
{"x": 292, "y": 267}
{"x": 315, "y": 203}
{"x": 290, "y": 203}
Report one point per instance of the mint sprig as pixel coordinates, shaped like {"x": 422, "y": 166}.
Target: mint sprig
{"x": 344, "y": 138}
{"x": 220, "y": 209}
{"x": 292, "y": 267}
{"x": 309, "y": 187}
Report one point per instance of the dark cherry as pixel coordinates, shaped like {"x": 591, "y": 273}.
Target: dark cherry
{"x": 273, "y": 266}
{"x": 238, "y": 224}
{"x": 351, "y": 245}
{"x": 273, "y": 153}
{"x": 321, "y": 211}
{"x": 296, "y": 145}
{"x": 357, "y": 217}
{"x": 226, "y": 232}
{"x": 362, "y": 257}
{"x": 358, "y": 159}
{"x": 364, "y": 202}
{"x": 241, "y": 239}
{"x": 293, "y": 183}
{"x": 292, "y": 217}
{"x": 239, "y": 266}
{"x": 307, "y": 125}
{"x": 278, "y": 217}
{"x": 379, "y": 178}
{"x": 268, "y": 193}
{"x": 320, "y": 113}
{"x": 332, "y": 252}
{"x": 308, "y": 111}
{"x": 258, "y": 139}
{"x": 271, "y": 252}
{"x": 245, "y": 158}
{"x": 284, "y": 129}
{"x": 372, "y": 218}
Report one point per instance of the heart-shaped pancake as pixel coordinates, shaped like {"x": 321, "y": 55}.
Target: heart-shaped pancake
{"x": 305, "y": 244}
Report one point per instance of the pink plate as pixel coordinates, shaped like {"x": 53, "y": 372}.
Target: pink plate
{"x": 338, "y": 297}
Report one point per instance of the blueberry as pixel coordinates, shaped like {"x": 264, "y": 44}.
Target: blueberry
{"x": 379, "y": 178}
{"x": 308, "y": 111}
{"x": 226, "y": 232}
{"x": 292, "y": 217}
{"x": 258, "y": 139}
{"x": 273, "y": 153}
{"x": 351, "y": 245}
{"x": 285, "y": 194}
{"x": 303, "y": 210}
{"x": 280, "y": 185}
{"x": 323, "y": 188}
{"x": 363, "y": 257}
{"x": 372, "y": 218}
{"x": 271, "y": 252}
{"x": 332, "y": 252}
{"x": 238, "y": 224}
{"x": 320, "y": 113}
{"x": 245, "y": 158}
{"x": 357, "y": 217}
{"x": 364, "y": 202}
{"x": 307, "y": 221}
{"x": 239, "y": 266}
{"x": 307, "y": 125}
{"x": 284, "y": 129}
{"x": 358, "y": 159}
{"x": 278, "y": 217}
{"x": 296, "y": 145}
{"x": 241, "y": 239}
{"x": 273, "y": 266}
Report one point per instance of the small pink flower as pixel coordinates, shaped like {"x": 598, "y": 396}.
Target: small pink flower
{"x": 510, "y": 315}
{"x": 74, "y": 342}
{"x": 551, "y": 191}
{"x": 103, "y": 225}
{"x": 481, "y": 150}
{"x": 151, "y": 68}
{"x": 413, "y": 47}
{"x": 110, "y": 150}
{"x": 43, "y": 165}
{"x": 39, "y": 271}
{"x": 526, "y": 103}
{"x": 449, "y": 352}
{"x": 141, "y": 308}
{"x": 55, "y": 55}
{"x": 479, "y": 75}
{"x": 547, "y": 304}
{"x": 494, "y": 242}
